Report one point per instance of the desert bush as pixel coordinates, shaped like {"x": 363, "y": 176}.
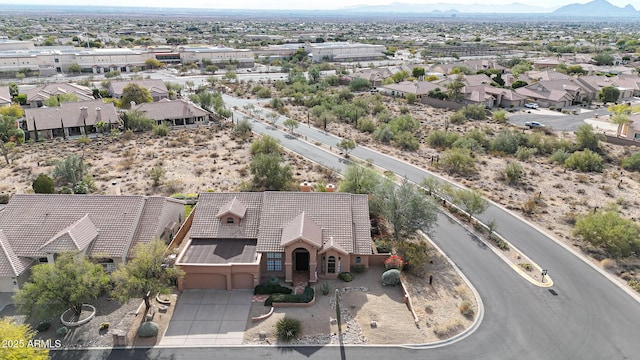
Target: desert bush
{"x": 457, "y": 118}
{"x": 513, "y": 171}
{"x": 507, "y": 141}
{"x": 634, "y": 284}
{"x": 585, "y": 161}
{"x": 632, "y": 163}
{"x": 391, "y": 277}
{"x": 43, "y": 184}
{"x": 156, "y": 174}
{"x": 609, "y": 264}
{"x": 305, "y": 297}
{"x": 366, "y": 125}
{"x": 104, "y": 326}
{"x": 384, "y": 245}
{"x": 524, "y": 153}
{"x": 608, "y": 230}
{"x": 441, "y": 139}
{"x": 529, "y": 206}
{"x": 501, "y": 244}
{"x": 559, "y": 156}
{"x": 358, "y": 268}
{"x": 288, "y": 328}
{"x": 345, "y": 276}
{"x": 414, "y": 254}
{"x": 161, "y": 130}
{"x": 465, "y": 308}
{"x": 383, "y": 134}
{"x": 474, "y": 112}
{"x": 458, "y": 161}
{"x": 394, "y": 262}
{"x": 271, "y": 289}
{"x": 526, "y": 266}
{"x": 148, "y": 329}
{"x": 43, "y": 326}
{"x": 448, "y": 329}
{"x": 500, "y": 115}
{"x": 406, "y": 140}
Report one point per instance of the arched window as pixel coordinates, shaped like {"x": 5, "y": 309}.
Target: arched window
{"x": 358, "y": 260}
{"x": 331, "y": 265}
{"x": 230, "y": 220}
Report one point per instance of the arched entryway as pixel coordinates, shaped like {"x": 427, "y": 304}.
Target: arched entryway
{"x": 301, "y": 260}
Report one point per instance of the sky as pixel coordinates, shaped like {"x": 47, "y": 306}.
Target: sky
{"x": 293, "y": 4}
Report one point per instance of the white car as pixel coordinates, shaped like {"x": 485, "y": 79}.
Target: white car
{"x": 531, "y": 105}
{"x": 533, "y": 124}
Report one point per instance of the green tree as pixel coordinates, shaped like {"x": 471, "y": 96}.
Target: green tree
{"x": 70, "y": 170}
{"x": 404, "y": 208}
{"x": 359, "y": 180}
{"x": 632, "y": 163}
{"x": 137, "y": 121}
{"x": 23, "y": 333}
{"x": 359, "y": 84}
{"x": 243, "y": 127}
{"x": 74, "y": 68}
{"x": 454, "y": 88}
{"x": 603, "y": 59}
{"x": 9, "y": 133}
{"x": 270, "y": 173}
{"x": 265, "y": 144}
{"x": 513, "y": 171}
{"x": 518, "y": 84}
{"x": 585, "y": 161}
{"x": 68, "y": 283}
{"x": 14, "y": 110}
{"x": 134, "y": 93}
{"x": 609, "y": 94}
{"x": 346, "y": 145}
{"x": 146, "y": 274}
{"x": 411, "y": 98}
{"x": 56, "y": 100}
{"x": 291, "y": 124}
{"x": 586, "y": 138}
{"x": 471, "y": 201}
{"x": 43, "y": 185}
{"x": 418, "y": 72}
{"x": 314, "y": 74}
{"x": 608, "y": 230}
{"x": 152, "y": 63}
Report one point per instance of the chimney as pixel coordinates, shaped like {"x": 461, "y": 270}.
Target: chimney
{"x": 133, "y": 104}
{"x": 331, "y": 188}
{"x": 115, "y": 189}
{"x": 98, "y": 114}
{"x": 305, "y": 187}
{"x": 84, "y": 113}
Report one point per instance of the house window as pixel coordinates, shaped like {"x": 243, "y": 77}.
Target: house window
{"x": 323, "y": 265}
{"x": 358, "y": 259}
{"x": 274, "y": 261}
{"x": 331, "y": 265}
{"x": 339, "y": 265}
{"x": 230, "y": 220}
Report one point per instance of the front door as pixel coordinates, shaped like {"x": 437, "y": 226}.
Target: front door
{"x": 301, "y": 260}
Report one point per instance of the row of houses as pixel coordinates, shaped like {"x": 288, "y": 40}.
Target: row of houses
{"x": 236, "y": 239}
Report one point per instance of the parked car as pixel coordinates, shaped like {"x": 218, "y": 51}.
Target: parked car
{"x": 531, "y": 105}
{"x": 533, "y": 124}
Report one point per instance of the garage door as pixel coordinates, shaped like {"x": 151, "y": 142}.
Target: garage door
{"x": 242, "y": 281}
{"x": 6, "y": 285}
{"x": 205, "y": 281}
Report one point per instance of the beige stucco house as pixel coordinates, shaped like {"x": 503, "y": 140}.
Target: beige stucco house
{"x": 237, "y": 239}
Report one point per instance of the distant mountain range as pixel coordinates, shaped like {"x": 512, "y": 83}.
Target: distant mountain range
{"x": 596, "y": 8}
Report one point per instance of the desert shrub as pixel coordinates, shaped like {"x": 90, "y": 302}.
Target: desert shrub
{"x": 288, "y": 328}
{"x": 501, "y": 244}
{"x": 161, "y": 130}
{"x": 325, "y": 288}
{"x": 104, "y": 326}
{"x": 465, "y": 308}
{"x": 449, "y": 328}
{"x": 513, "y": 172}
{"x": 271, "y": 289}
{"x": 526, "y": 266}
{"x": 608, "y": 264}
{"x": 559, "y": 156}
{"x": 457, "y": 118}
{"x": 383, "y": 134}
{"x": 415, "y": 255}
{"x": 406, "y": 140}
{"x": 634, "y": 284}
{"x": 384, "y": 245}
{"x": 62, "y": 331}
{"x": 608, "y": 230}
{"x": 43, "y": 184}
{"x": 127, "y": 135}
{"x": 43, "y": 326}
{"x": 458, "y": 161}
{"x": 4, "y": 198}
{"x": 441, "y": 139}
{"x": 585, "y": 161}
{"x": 500, "y": 115}
{"x": 366, "y": 125}
{"x": 632, "y": 163}
{"x": 148, "y": 329}
{"x": 242, "y": 127}
{"x": 358, "y": 268}
{"x": 524, "y": 153}
{"x": 507, "y": 141}
{"x": 394, "y": 262}
{"x": 345, "y": 276}
{"x": 474, "y": 112}
{"x": 305, "y": 297}
{"x": 391, "y": 277}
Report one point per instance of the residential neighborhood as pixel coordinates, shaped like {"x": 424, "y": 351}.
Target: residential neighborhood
{"x": 413, "y": 184}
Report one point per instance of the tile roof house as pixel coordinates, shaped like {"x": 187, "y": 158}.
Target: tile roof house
{"x": 401, "y": 89}
{"x": 34, "y": 228}
{"x": 156, "y": 87}
{"x": 69, "y": 119}
{"x": 5, "y": 96}
{"x": 175, "y": 112}
{"x": 375, "y": 76}
{"x": 238, "y": 238}
{"x": 37, "y": 96}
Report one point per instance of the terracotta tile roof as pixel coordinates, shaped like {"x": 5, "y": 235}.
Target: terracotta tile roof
{"x": 72, "y": 114}
{"x": 5, "y": 96}
{"x": 207, "y": 225}
{"x": 361, "y": 224}
{"x": 119, "y": 221}
{"x": 75, "y": 237}
{"x": 302, "y": 228}
{"x": 10, "y": 264}
{"x": 166, "y": 109}
{"x": 331, "y": 245}
{"x": 233, "y": 207}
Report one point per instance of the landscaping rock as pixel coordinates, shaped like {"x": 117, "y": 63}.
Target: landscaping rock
{"x": 148, "y": 329}
{"x": 374, "y": 324}
{"x": 262, "y": 335}
{"x": 391, "y": 277}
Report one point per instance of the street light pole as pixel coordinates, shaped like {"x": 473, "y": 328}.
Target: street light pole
{"x": 544, "y": 272}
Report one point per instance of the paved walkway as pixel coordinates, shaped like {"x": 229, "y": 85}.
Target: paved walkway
{"x": 209, "y": 317}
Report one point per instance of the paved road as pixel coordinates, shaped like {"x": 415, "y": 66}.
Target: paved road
{"x": 556, "y": 121}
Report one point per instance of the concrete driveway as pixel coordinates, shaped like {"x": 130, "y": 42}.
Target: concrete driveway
{"x": 209, "y": 317}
